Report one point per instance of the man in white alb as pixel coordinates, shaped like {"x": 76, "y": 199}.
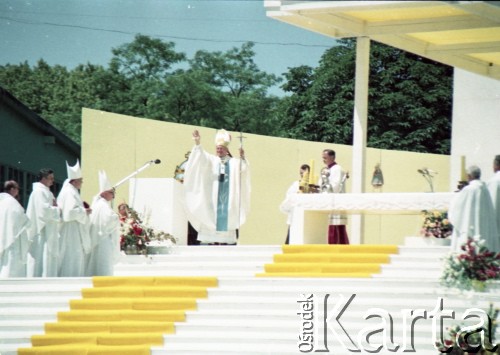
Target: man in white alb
{"x": 104, "y": 231}
{"x": 44, "y": 214}
{"x": 472, "y": 214}
{"x": 14, "y": 226}
{"x": 74, "y": 241}
{"x": 494, "y": 189}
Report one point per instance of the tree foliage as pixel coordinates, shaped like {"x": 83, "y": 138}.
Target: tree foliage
{"x": 409, "y": 97}
{"x": 409, "y": 100}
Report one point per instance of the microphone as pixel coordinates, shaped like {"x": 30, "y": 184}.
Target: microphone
{"x": 222, "y": 170}
{"x": 157, "y": 161}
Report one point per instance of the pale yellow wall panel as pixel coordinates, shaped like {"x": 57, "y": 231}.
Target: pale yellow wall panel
{"x": 121, "y": 144}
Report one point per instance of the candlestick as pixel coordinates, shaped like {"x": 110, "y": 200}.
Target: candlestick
{"x": 311, "y": 173}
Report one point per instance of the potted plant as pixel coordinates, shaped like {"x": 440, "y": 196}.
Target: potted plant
{"x": 137, "y": 237}
{"x": 436, "y": 227}
{"x": 472, "y": 268}
{"x": 459, "y": 342}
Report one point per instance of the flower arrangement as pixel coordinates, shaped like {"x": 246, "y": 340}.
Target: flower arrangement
{"x": 436, "y": 224}
{"x": 460, "y": 342}
{"x": 137, "y": 234}
{"x": 472, "y": 267}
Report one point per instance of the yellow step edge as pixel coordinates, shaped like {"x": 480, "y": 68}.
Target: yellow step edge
{"x": 322, "y": 267}
{"x": 104, "y": 281}
{"x": 106, "y": 322}
{"x": 145, "y": 291}
{"x": 338, "y": 257}
{"x": 149, "y": 303}
{"x": 340, "y": 248}
{"x": 312, "y": 275}
{"x": 97, "y": 339}
{"x": 87, "y": 350}
{"x": 110, "y": 327}
{"x": 122, "y": 315}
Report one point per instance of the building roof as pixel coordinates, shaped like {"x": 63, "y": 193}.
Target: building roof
{"x": 462, "y": 34}
{"x": 47, "y": 129}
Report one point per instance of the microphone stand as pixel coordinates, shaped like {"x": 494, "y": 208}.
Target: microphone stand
{"x": 145, "y": 166}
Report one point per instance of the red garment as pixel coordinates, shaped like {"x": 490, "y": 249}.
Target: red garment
{"x": 337, "y": 234}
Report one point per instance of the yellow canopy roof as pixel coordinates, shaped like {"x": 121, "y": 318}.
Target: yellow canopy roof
{"x": 462, "y": 34}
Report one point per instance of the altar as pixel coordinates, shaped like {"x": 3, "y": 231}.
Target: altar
{"x": 310, "y": 211}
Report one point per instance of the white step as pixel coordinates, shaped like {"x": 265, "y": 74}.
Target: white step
{"x": 22, "y": 325}
{"x": 404, "y": 249}
{"x": 17, "y": 337}
{"x": 228, "y": 250}
{"x": 11, "y": 348}
{"x": 33, "y": 302}
{"x": 270, "y": 344}
{"x": 201, "y": 272}
{"x": 220, "y": 265}
{"x": 245, "y": 314}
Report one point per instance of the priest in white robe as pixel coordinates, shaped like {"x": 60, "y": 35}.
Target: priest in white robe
{"x": 44, "y": 214}
{"x": 217, "y": 191}
{"x": 104, "y": 232}
{"x": 472, "y": 214}
{"x": 287, "y": 206}
{"x": 74, "y": 241}
{"x": 494, "y": 189}
{"x": 13, "y": 233}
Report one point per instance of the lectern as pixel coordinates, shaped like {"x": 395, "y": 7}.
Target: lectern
{"x": 163, "y": 200}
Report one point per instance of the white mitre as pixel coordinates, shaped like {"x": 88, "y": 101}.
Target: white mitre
{"x": 74, "y": 172}
{"x": 104, "y": 183}
{"x": 222, "y": 138}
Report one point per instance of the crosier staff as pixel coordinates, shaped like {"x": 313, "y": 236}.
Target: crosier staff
{"x": 242, "y": 157}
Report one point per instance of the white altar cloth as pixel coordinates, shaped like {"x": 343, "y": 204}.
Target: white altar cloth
{"x": 372, "y": 202}
{"x": 310, "y": 211}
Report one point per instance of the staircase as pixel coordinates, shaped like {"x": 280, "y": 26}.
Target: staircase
{"x": 27, "y": 304}
{"x": 245, "y": 314}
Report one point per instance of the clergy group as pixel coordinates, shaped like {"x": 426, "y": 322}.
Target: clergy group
{"x": 61, "y": 236}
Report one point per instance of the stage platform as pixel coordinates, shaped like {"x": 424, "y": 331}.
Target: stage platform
{"x": 241, "y": 311}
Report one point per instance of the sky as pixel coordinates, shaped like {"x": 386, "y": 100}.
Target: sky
{"x": 72, "y": 32}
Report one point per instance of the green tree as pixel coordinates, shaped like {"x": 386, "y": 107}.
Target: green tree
{"x": 187, "y": 97}
{"x": 220, "y": 89}
{"x": 293, "y": 111}
{"x": 58, "y": 95}
{"x": 82, "y": 88}
{"x": 409, "y": 100}
{"x": 235, "y": 74}
{"x": 137, "y": 73}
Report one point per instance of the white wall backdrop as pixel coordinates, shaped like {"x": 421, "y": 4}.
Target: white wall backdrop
{"x": 476, "y": 124}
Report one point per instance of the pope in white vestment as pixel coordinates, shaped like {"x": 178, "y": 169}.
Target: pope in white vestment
{"x": 42, "y": 210}
{"x": 104, "y": 232}
{"x": 494, "y": 189}
{"x": 13, "y": 236}
{"x": 472, "y": 214}
{"x": 217, "y": 191}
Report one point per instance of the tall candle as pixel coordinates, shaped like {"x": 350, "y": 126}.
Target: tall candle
{"x": 311, "y": 173}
